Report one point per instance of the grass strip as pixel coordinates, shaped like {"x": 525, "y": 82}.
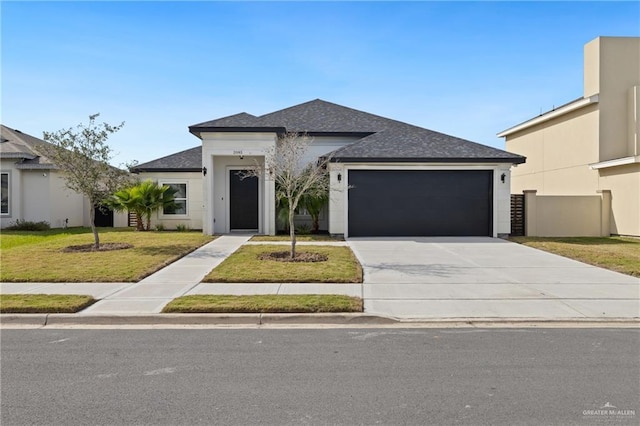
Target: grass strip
{"x": 270, "y": 303}
{"x": 620, "y": 254}
{"x": 243, "y": 266}
{"x": 312, "y": 237}
{"x": 44, "y": 303}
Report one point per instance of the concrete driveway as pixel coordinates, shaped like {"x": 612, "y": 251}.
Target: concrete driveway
{"x": 478, "y": 277}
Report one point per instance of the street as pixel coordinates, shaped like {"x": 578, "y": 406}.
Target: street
{"x": 320, "y": 376}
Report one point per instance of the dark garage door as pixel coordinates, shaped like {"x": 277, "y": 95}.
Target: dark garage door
{"x": 420, "y": 203}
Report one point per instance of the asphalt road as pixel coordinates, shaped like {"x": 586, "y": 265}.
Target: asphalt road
{"x": 336, "y": 376}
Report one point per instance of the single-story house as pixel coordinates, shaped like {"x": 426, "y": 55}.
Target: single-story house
{"x": 33, "y": 189}
{"x": 388, "y": 178}
{"x": 582, "y": 176}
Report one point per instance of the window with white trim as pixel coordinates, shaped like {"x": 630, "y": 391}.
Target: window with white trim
{"x": 4, "y": 186}
{"x": 179, "y": 199}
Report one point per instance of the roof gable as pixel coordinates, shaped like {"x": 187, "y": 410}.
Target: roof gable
{"x": 382, "y": 139}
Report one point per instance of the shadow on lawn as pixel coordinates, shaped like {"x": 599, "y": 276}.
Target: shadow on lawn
{"x": 173, "y": 250}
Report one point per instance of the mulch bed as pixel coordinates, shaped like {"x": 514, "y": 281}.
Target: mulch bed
{"x": 90, "y": 247}
{"x": 285, "y": 256}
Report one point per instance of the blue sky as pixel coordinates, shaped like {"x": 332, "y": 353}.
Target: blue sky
{"x": 466, "y": 69}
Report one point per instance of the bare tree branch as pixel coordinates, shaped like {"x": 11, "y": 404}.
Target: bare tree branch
{"x": 83, "y": 156}
{"x": 287, "y": 164}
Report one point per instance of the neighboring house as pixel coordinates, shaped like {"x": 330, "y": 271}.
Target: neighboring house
{"x": 388, "y": 178}
{"x": 583, "y": 158}
{"x": 33, "y": 189}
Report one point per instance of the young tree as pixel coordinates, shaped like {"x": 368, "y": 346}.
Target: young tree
{"x": 82, "y": 154}
{"x": 294, "y": 177}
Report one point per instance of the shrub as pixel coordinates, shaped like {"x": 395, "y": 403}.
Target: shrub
{"x": 181, "y": 227}
{"x": 27, "y": 225}
{"x": 303, "y": 229}
{"x": 159, "y": 227}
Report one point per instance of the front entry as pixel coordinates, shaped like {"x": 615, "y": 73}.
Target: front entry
{"x": 243, "y": 202}
{"x": 103, "y": 217}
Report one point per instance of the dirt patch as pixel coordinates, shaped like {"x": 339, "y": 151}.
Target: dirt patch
{"x": 90, "y": 247}
{"x": 285, "y": 256}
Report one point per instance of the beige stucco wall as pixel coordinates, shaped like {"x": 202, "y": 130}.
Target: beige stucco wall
{"x": 611, "y": 69}
{"x": 558, "y": 153}
{"x": 193, "y": 218}
{"x": 624, "y": 183}
{"x": 564, "y": 216}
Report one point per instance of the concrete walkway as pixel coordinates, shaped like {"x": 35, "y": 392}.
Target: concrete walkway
{"x": 152, "y": 293}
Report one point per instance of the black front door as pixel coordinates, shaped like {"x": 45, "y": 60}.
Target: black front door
{"x": 104, "y": 217}
{"x": 243, "y": 202}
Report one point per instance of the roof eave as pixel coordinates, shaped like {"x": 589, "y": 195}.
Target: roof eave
{"x": 164, "y": 169}
{"x": 624, "y": 161}
{"x": 27, "y": 166}
{"x": 513, "y": 160}
{"x": 198, "y": 130}
{"x": 17, "y": 155}
{"x": 549, "y": 115}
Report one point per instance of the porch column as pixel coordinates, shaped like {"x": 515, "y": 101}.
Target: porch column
{"x": 208, "y": 227}
{"x": 269, "y": 200}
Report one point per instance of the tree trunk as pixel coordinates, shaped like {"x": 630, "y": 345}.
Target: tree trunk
{"x": 148, "y": 221}
{"x": 92, "y": 220}
{"x": 139, "y": 223}
{"x": 292, "y": 233}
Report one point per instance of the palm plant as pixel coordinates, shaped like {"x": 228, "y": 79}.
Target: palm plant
{"x": 144, "y": 199}
{"x": 314, "y": 203}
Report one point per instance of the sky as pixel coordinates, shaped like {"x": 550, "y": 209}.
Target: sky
{"x": 468, "y": 69}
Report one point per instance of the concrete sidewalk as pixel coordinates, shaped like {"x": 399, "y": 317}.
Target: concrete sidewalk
{"x": 183, "y": 277}
{"x": 152, "y": 293}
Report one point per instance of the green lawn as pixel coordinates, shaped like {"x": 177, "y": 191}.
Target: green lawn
{"x": 43, "y": 303}
{"x": 243, "y": 266}
{"x": 38, "y": 256}
{"x": 615, "y": 253}
{"x": 298, "y": 303}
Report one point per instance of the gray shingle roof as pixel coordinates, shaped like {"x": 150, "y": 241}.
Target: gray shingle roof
{"x": 189, "y": 160}
{"x": 382, "y": 139}
{"x": 24, "y": 148}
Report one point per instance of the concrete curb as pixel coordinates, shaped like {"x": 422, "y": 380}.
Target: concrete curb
{"x": 346, "y": 318}
{"x": 23, "y": 319}
{"x": 342, "y": 319}
{"x": 155, "y": 319}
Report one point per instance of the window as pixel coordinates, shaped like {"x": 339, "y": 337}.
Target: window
{"x": 4, "y": 184}
{"x": 302, "y": 211}
{"x": 179, "y": 200}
